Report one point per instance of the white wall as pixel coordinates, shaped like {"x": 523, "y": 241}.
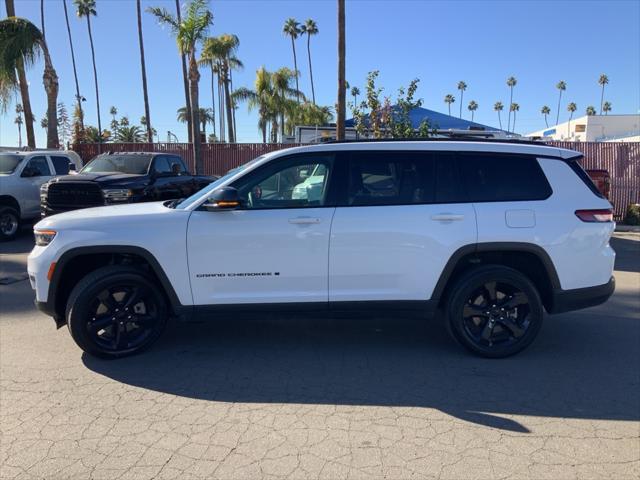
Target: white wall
{"x": 596, "y": 128}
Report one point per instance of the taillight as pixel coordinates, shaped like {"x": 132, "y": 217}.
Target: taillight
{"x": 597, "y": 216}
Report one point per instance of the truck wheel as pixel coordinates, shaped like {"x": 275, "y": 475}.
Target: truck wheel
{"x": 116, "y": 312}
{"x": 9, "y": 223}
{"x": 494, "y": 311}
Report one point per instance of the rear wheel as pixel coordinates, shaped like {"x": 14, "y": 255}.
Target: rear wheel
{"x": 115, "y": 312}
{"x": 9, "y": 223}
{"x": 494, "y": 311}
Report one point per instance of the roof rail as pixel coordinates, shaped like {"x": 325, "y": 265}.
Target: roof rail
{"x": 455, "y": 137}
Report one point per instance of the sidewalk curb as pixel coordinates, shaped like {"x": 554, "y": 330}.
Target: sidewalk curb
{"x": 628, "y": 228}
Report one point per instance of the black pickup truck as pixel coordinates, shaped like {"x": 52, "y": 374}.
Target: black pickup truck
{"x": 118, "y": 178}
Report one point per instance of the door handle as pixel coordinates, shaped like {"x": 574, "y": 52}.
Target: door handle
{"x": 447, "y": 217}
{"x": 304, "y": 220}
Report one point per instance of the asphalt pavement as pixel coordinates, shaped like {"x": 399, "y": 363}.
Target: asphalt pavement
{"x": 268, "y": 398}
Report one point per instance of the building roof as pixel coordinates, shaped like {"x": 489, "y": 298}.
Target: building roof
{"x": 438, "y": 120}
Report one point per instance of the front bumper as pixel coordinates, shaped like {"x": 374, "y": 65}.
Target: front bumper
{"x": 576, "y": 299}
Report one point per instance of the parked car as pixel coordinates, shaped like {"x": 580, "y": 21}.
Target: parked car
{"x": 21, "y": 175}
{"x": 490, "y": 233}
{"x": 119, "y": 178}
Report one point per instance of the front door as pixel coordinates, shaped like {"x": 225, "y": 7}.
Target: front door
{"x": 35, "y": 172}
{"x": 403, "y": 217}
{"x": 274, "y": 249}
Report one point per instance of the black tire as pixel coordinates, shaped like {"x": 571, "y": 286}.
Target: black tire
{"x": 9, "y": 223}
{"x": 131, "y": 310}
{"x": 494, "y": 311}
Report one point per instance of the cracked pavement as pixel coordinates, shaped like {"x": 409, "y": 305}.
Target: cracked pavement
{"x": 298, "y": 399}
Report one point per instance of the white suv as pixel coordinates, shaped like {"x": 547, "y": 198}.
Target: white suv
{"x": 21, "y": 176}
{"x": 489, "y": 233}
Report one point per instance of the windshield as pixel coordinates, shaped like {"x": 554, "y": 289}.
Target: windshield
{"x": 212, "y": 186}
{"x": 8, "y": 163}
{"x": 132, "y": 164}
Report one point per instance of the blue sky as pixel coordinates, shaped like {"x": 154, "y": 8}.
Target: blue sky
{"x": 480, "y": 42}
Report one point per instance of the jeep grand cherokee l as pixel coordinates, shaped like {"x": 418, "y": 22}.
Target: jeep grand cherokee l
{"x": 119, "y": 178}
{"x": 490, "y": 233}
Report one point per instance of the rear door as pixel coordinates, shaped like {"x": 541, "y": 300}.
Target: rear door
{"x": 402, "y": 216}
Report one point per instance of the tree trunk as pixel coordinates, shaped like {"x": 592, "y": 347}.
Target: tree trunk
{"x": 19, "y": 135}
{"x": 213, "y": 100}
{"x": 144, "y": 75}
{"x": 227, "y": 95}
{"x": 73, "y": 62}
{"x": 50, "y": 81}
{"x": 313, "y": 91}
{"x": 233, "y": 106}
{"x": 509, "y": 119}
{"x": 558, "y": 111}
{"x": 341, "y": 113}
{"x": 194, "y": 77}
{"x": 42, "y": 17}
{"x": 461, "y": 97}
{"x": 95, "y": 76}
{"x": 24, "y": 88}
{"x": 499, "y": 120}
{"x": 514, "y": 121}
{"x": 545, "y": 120}
{"x": 601, "y": 98}
{"x": 295, "y": 66}
{"x": 185, "y": 81}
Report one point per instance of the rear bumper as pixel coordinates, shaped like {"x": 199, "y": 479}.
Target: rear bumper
{"x": 568, "y": 300}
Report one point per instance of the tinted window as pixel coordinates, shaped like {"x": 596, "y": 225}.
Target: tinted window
{"x": 61, "y": 165}
{"x": 8, "y": 163}
{"x": 176, "y": 164}
{"x": 391, "y": 178}
{"x": 132, "y": 164}
{"x": 161, "y": 165}
{"x": 503, "y": 178}
{"x": 449, "y": 188}
{"x": 295, "y": 183}
{"x": 40, "y": 166}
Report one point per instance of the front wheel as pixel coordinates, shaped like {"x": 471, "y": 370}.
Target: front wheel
{"x": 9, "y": 223}
{"x": 494, "y": 311}
{"x": 116, "y": 312}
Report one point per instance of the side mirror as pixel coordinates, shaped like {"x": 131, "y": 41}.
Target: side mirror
{"x": 225, "y": 198}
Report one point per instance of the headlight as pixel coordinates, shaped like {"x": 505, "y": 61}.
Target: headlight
{"x": 44, "y": 237}
{"x": 117, "y": 194}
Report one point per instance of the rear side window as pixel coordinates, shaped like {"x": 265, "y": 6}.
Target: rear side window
{"x": 60, "y": 164}
{"x": 584, "y": 176}
{"x": 391, "y": 178}
{"x": 503, "y": 178}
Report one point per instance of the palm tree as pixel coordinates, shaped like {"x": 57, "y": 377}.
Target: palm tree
{"x": 310, "y": 28}
{"x": 473, "y": 106}
{"x": 514, "y": 108}
{"x": 11, "y": 83}
{"x": 511, "y": 82}
{"x": 113, "y": 111}
{"x": 561, "y": 86}
{"x": 591, "y": 110}
{"x": 131, "y": 134}
{"x": 206, "y": 116}
{"x": 342, "y": 59}
{"x": 185, "y": 79}
{"x": 284, "y": 92}
{"x": 44, "y": 123}
{"x": 545, "y": 111}
{"x": 462, "y": 86}
{"x": 449, "y": 99}
{"x": 355, "y": 91}
{"x": 292, "y": 29}
{"x": 73, "y": 63}
{"x": 189, "y": 32}
{"x": 606, "y": 107}
{"x": 22, "y": 43}
{"x": 87, "y": 9}
{"x": 572, "y": 107}
{"x": 262, "y": 98}
{"x": 18, "y": 121}
{"x": 144, "y": 75}
{"x": 219, "y": 52}
{"x": 498, "y": 106}
{"x": 602, "y": 81}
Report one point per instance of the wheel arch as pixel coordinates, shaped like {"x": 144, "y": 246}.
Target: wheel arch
{"x": 529, "y": 259}
{"x": 78, "y": 262}
{"x": 10, "y": 201}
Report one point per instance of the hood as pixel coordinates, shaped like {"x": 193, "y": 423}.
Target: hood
{"x": 104, "y": 178}
{"x": 130, "y": 215}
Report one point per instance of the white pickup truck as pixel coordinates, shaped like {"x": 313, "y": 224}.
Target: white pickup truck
{"x": 21, "y": 175}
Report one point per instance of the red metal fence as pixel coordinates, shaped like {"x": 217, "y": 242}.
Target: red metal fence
{"x": 622, "y": 160}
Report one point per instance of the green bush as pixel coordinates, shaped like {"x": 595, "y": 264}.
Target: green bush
{"x": 632, "y": 217}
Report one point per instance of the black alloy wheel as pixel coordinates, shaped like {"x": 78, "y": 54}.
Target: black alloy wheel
{"x": 495, "y": 311}
{"x": 115, "y": 312}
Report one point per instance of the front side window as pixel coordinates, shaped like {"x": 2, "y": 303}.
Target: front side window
{"x": 177, "y": 165}
{"x": 390, "y": 178}
{"x": 493, "y": 177}
{"x": 38, "y": 167}
{"x": 161, "y": 165}
{"x": 130, "y": 164}
{"x": 60, "y": 164}
{"x": 294, "y": 183}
